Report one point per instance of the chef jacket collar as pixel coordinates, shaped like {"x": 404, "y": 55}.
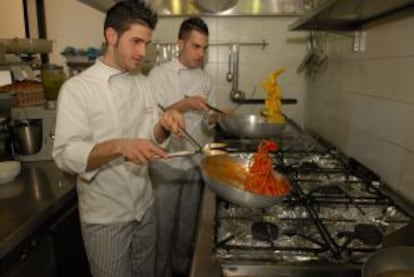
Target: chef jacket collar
{"x": 179, "y": 66}
{"x": 107, "y": 72}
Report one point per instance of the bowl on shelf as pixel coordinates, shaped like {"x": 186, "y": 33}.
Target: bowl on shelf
{"x": 8, "y": 171}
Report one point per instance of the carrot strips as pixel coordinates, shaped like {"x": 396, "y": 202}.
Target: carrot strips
{"x": 261, "y": 179}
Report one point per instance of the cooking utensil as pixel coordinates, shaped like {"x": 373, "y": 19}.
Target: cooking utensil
{"x": 235, "y": 94}
{"x": 229, "y": 184}
{"x": 390, "y": 262}
{"x": 249, "y": 126}
{"x": 229, "y": 75}
{"x": 186, "y": 134}
{"x": 207, "y": 149}
{"x": 217, "y": 110}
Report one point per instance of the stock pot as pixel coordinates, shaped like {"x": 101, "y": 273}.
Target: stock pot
{"x": 27, "y": 136}
{"x": 396, "y": 261}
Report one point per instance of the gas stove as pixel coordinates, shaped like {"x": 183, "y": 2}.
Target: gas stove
{"x": 337, "y": 213}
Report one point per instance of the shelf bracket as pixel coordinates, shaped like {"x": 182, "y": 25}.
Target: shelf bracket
{"x": 360, "y": 38}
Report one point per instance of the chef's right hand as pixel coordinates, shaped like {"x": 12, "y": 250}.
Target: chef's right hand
{"x": 198, "y": 103}
{"x": 141, "y": 151}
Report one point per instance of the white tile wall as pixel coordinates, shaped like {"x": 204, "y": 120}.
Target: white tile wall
{"x": 72, "y": 23}
{"x": 363, "y": 102}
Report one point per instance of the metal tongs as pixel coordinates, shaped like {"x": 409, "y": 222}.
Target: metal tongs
{"x": 208, "y": 149}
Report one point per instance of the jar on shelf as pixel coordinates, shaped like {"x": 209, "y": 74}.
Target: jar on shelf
{"x": 53, "y": 77}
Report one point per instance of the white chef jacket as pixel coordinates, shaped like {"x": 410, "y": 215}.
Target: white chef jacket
{"x": 171, "y": 82}
{"x": 100, "y": 104}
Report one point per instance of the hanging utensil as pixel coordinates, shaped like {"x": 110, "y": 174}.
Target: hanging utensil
{"x": 236, "y": 94}
{"x": 229, "y": 75}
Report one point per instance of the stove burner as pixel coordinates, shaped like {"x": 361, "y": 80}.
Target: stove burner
{"x": 328, "y": 190}
{"x": 366, "y": 233}
{"x": 308, "y": 166}
{"x": 265, "y": 231}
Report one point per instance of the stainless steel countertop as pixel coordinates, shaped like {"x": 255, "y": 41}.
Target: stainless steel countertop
{"x": 36, "y": 195}
{"x": 203, "y": 262}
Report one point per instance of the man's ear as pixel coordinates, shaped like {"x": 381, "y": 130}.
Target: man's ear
{"x": 180, "y": 43}
{"x": 111, "y": 36}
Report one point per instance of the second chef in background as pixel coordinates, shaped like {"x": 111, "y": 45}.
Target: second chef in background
{"x": 181, "y": 84}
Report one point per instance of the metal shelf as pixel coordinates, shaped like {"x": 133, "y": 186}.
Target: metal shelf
{"x": 347, "y": 15}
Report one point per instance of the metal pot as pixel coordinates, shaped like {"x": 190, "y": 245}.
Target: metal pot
{"x": 27, "y": 136}
{"x": 250, "y": 126}
{"x": 229, "y": 184}
{"x": 394, "y": 261}
{"x": 5, "y": 140}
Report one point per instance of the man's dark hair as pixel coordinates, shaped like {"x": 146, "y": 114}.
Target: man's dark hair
{"x": 127, "y": 12}
{"x": 190, "y": 24}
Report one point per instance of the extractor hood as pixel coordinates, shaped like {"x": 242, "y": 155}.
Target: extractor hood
{"x": 214, "y": 7}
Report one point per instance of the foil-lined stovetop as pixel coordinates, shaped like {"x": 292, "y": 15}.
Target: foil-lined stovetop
{"x": 337, "y": 213}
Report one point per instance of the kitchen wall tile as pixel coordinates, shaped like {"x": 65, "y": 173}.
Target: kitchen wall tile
{"x": 371, "y": 77}
{"x": 404, "y": 81}
{"x": 212, "y": 54}
{"x": 402, "y": 39}
{"x": 223, "y": 52}
{"x": 380, "y": 156}
{"x": 384, "y": 118}
{"x": 335, "y": 47}
{"x": 250, "y": 29}
{"x": 223, "y": 97}
{"x": 64, "y": 31}
{"x": 406, "y": 186}
{"x": 339, "y": 135}
{"x": 212, "y": 28}
{"x": 229, "y": 30}
{"x": 376, "y": 46}
{"x": 374, "y": 112}
{"x": 166, "y": 30}
{"x": 409, "y": 140}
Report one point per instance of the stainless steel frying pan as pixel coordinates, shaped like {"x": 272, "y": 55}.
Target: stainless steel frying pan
{"x": 229, "y": 185}
{"x": 250, "y": 126}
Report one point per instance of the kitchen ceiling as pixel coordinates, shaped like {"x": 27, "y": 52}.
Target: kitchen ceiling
{"x": 215, "y": 7}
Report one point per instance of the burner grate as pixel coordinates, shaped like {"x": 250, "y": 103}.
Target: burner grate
{"x": 334, "y": 214}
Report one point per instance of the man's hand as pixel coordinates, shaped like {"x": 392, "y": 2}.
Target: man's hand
{"x": 171, "y": 121}
{"x": 140, "y": 151}
{"x": 198, "y": 103}
{"x": 195, "y": 103}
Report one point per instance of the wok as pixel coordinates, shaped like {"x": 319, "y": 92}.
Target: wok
{"x": 250, "y": 126}
{"x": 228, "y": 184}
{"x": 392, "y": 261}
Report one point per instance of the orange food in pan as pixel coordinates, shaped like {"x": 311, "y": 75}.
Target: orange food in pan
{"x": 261, "y": 178}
